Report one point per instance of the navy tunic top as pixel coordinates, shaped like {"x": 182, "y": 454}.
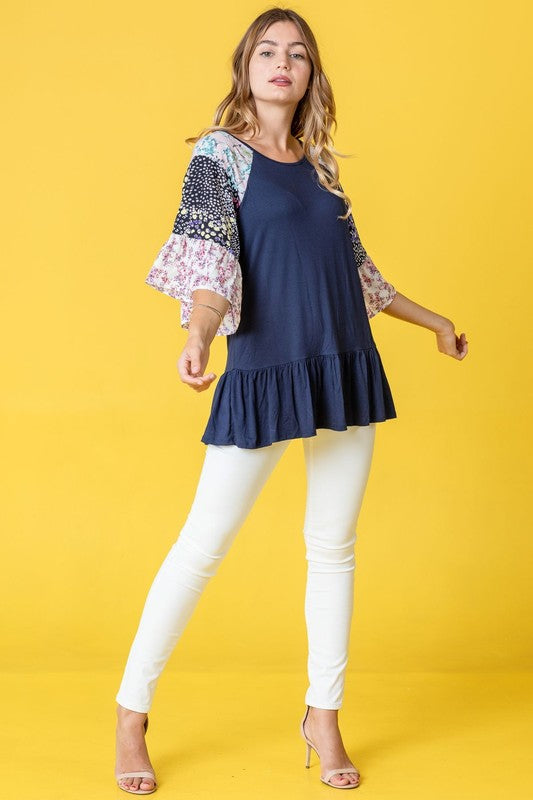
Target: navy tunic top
{"x": 266, "y": 235}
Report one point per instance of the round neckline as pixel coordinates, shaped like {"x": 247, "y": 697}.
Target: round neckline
{"x": 273, "y": 160}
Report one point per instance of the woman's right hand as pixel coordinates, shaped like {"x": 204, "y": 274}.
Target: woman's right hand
{"x": 192, "y": 362}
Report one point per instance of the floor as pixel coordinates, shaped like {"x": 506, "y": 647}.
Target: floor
{"x": 417, "y": 735}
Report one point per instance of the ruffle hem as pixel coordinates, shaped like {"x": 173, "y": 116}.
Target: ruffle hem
{"x": 255, "y": 407}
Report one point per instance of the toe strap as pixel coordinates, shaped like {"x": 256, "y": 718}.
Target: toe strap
{"x": 331, "y": 772}
{"x": 142, "y": 774}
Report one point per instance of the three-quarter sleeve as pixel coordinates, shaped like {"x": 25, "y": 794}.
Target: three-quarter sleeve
{"x": 202, "y": 252}
{"x": 377, "y": 292}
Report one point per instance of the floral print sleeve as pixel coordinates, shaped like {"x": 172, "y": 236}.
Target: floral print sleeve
{"x": 202, "y": 252}
{"x": 377, "y": 292}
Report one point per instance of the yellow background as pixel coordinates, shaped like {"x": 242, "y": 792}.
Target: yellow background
{"x": 102, "y": 448}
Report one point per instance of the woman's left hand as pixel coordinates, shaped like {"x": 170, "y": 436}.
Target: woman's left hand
{"x": 450, "y": 344}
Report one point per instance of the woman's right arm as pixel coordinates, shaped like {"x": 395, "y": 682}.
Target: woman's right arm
{"x": 199, "y": 263}
{"x": 202, "y": 328}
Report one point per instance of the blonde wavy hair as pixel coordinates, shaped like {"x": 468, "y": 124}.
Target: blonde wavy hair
{"x": 315, "y": 113}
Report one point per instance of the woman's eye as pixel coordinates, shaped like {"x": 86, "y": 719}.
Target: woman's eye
{"x": 267, "y": 52}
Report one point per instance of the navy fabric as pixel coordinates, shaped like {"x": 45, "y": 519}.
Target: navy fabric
{"x": 303, "y": 356}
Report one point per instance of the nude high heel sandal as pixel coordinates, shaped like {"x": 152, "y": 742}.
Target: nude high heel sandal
{"x": 330, "y": 772}
{"x": 147, "y": 773}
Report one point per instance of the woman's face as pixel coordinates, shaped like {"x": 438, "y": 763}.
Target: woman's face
{"x": 280, "y": 52}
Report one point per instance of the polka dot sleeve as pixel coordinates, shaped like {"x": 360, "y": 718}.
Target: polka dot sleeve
{"x": 202, "y": 252}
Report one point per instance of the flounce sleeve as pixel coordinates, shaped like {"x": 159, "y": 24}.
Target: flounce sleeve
{"x": 202, "y": 252}
{"x": 377, "y": 292}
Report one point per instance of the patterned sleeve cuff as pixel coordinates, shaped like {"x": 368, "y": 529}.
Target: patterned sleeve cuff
{"x": 378, "y": 293}
{"x": 185, "y": 264}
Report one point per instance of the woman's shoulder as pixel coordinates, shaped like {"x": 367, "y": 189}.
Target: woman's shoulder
{"x": 221, "y": 146}
{"x": 229, "y": 150}
{"x": 233, "y": 157}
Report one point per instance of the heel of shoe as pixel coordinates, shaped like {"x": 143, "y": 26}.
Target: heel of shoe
{"x": 306, "y": 740}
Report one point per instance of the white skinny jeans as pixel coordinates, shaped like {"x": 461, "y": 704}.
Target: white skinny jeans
{"x": 337, "y": 468}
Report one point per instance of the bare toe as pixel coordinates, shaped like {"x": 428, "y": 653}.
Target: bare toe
{"x": 340, "y": 779}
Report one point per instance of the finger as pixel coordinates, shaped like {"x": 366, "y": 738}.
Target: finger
{"x": 191, "y": 380}
{"x": 202, "y": 387}
{"x": 186, "y": 376}
{"x": 185, "y": 371}
{"x": 192, "y": 366}
{"x": 201, "y": 380}
{"x": 209, "y": 376}
{"x": 196, "y": 370}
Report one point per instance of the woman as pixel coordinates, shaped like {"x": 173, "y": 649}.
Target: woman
{"x": 265, "y": 250}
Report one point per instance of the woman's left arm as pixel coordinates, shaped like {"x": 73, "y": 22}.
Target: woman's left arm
{"x": 381, "y": 296}
{"x": 448, "y": 342}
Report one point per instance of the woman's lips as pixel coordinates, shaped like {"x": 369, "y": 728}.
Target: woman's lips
{"x": 281, "y": 82}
